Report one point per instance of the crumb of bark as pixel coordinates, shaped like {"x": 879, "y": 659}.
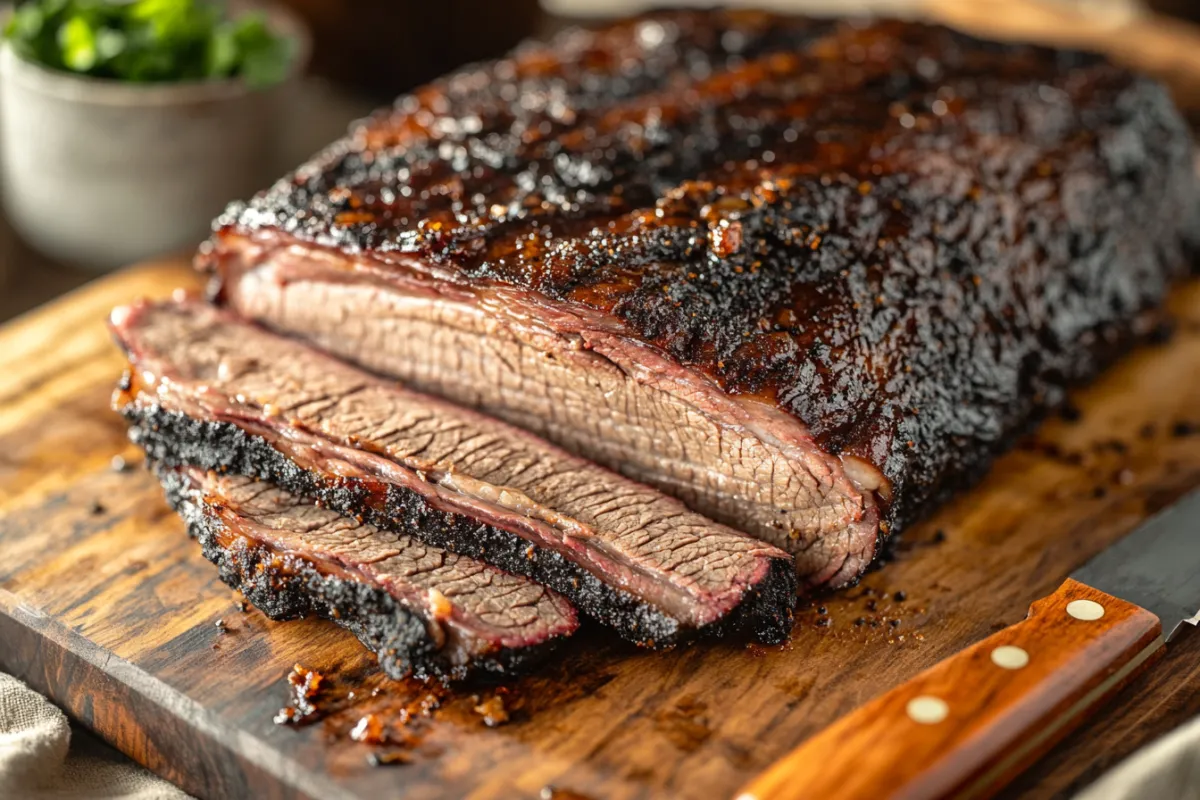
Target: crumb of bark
{"x": 388, "y": 759}
{"x": 493, "y": 711}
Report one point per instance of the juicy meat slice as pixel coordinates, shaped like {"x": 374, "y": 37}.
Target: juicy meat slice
{"x": 738, "y": 462}
{"x": 809, "y": 277}
{"x": 422, "y": 610}
{"x": 217, "y": 393}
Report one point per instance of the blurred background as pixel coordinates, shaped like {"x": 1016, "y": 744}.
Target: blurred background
{"x": 352, "y": 56}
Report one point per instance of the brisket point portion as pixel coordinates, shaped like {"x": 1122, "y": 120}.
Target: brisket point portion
{"x": 215, "y": 393}
{"x": 423, "y": 612}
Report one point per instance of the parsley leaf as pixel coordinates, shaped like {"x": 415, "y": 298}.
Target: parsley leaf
{"x": 150, "y": 40}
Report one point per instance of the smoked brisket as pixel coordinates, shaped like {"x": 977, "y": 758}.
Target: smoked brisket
{"x": 808, "y": 277}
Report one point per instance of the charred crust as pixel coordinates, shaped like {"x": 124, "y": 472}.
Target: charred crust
{"x": 174, "y": 439}
{"x": 399, "y": 638}
{"x": 767, "y": 609}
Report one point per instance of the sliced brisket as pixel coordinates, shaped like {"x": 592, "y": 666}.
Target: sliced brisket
{"x": 210, "y": 391}
{"x": 422, "y": 610}
{"x": 808, "y": 277}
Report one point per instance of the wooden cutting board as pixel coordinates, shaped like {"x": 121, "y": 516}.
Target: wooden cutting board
{"x": 108, "y": 608}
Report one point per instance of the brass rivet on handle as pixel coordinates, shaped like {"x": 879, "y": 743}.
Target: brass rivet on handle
{"x": 1008, "y": 656}
{"x": 927, "y": 710}
{"x": 1085, "y": 610}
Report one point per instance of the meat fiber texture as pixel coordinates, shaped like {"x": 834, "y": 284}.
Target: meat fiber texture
{"x": 425, "y": 612}
{"x": 209, "y": 391}
{"x": 809, "y": 277}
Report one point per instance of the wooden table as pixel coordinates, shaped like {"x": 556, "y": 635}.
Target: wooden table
{"x": 28, "y": 279}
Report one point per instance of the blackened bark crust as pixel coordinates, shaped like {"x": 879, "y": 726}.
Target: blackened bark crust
{"x": 399, "y": 638}
{"x": 175, "y": 439}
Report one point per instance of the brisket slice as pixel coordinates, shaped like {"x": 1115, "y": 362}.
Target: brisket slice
{"x": 808, "y": 277}
{"x": 210, "y": 391}
{"x": 423, "y": 611}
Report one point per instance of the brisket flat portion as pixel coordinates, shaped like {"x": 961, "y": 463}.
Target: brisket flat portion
{"x": 423, "y": 611}
{"x": 213, "y": 392}
{"x": 815, "y": 275}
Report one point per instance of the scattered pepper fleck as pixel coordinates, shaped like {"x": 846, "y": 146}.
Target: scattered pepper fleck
{"x": 1184, "y": 428}
{"x": 1162, "y": 333}
{"x": 1070, "y": 412}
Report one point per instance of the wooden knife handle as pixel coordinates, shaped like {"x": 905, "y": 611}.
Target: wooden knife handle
{"x": 971, "y": 723}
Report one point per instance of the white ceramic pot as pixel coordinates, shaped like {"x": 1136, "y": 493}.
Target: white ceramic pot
{"x": 102, "y": 173}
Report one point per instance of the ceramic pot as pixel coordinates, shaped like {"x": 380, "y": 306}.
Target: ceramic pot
{"x": 101, "y": 173}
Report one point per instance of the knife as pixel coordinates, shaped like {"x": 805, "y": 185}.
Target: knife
{"x": 968, "y": 725}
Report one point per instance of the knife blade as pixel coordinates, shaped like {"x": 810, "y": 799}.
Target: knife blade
{"x": 971, "y": 723}
{"x": 1157, "y": 566}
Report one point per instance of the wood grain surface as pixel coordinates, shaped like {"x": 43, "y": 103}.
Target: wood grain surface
{"x": 966, "y": 726}
{"x": 106, "y": 606}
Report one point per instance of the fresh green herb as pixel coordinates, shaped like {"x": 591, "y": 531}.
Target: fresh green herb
{"x": 150, "y": 40}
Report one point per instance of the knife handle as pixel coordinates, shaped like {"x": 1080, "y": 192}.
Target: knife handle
{"x": 971, "y": 723}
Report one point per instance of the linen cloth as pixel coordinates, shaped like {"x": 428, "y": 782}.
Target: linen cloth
{"x": 1167, "y": 769}
{"x": 37, "y": 761}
